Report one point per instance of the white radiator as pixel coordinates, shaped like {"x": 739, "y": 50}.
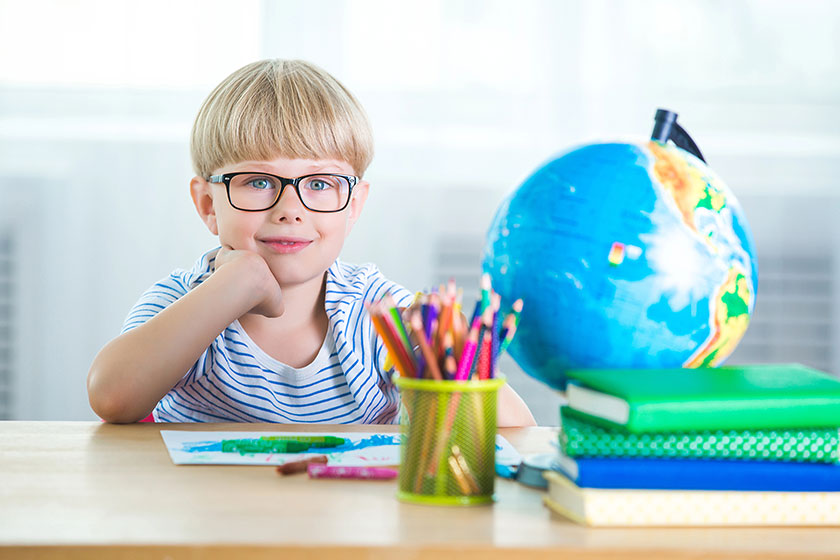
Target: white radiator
{"x": 794, "y": 310}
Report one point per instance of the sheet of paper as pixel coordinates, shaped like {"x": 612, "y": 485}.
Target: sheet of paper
{"x": 363, "y": 449}
{"x": 205, "y": 448}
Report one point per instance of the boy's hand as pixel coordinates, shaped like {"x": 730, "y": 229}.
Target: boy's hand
{"x": 251, "y": 266}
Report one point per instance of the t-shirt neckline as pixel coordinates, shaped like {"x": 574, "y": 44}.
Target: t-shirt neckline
{"x": 318, "y": 363}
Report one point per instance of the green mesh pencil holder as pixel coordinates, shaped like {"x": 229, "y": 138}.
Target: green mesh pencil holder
{"x": 448, "y": 445}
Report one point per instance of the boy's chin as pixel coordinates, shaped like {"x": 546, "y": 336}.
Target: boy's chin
{"x": 287, "y": 278}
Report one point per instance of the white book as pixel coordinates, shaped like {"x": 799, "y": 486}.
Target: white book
{"x": 601, "y": 507}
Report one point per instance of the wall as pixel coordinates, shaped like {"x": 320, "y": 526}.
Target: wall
{"x": 466, "y": 98}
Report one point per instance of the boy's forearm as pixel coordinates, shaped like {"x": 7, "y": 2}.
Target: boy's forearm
{"x": 135, "y": 370}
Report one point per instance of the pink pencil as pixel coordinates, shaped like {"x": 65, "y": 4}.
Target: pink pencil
{"x": 363, "y": 473}
{"x": 468, "y": 353}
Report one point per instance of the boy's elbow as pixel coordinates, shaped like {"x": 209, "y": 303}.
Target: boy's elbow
{"x": 111, "y": 405}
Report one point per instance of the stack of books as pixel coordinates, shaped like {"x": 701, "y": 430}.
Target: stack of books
{"x": 741, "y": 445}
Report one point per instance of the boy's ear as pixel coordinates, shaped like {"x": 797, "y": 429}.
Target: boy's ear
{"x": 357, "y": 202}
{"x": 202, "y": 198}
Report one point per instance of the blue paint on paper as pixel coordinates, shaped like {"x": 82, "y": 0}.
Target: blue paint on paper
{"x": 202, "y": 446}
{"x": 376, "y": 440}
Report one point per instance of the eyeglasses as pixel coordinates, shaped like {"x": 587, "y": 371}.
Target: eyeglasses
{"x": 254, "y": 192}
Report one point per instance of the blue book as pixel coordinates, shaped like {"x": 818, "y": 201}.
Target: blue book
{"x": 699, "y": 474}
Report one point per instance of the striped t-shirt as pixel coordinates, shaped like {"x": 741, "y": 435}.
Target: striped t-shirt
{"x": 236, "y": 381}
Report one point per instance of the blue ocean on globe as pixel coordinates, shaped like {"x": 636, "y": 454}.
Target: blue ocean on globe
{"x": 626, "y": 255}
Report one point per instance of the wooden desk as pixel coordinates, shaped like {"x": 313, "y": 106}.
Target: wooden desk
{"x": 91, "y": 490}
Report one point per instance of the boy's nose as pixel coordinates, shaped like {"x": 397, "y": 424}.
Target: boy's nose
{"x": 289, "y": 208}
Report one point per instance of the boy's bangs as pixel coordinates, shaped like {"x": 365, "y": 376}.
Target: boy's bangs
{"x": 293, "y": 133}
{"x": 277, "y": 109}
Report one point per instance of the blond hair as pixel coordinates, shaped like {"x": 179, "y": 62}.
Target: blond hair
{"x": 280, "y": 108}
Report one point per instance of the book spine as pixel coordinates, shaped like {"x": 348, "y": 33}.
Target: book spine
{"x": 663, "y": 508}
{"x": 706, "y": 474}
{"x": 619, "y": 508}
{"x": 582, "y": 439}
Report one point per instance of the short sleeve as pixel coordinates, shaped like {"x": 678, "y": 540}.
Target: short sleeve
{"x": 154, "y": 300}
{"x": 169, "y": 290}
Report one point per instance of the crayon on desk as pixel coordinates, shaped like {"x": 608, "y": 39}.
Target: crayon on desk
{"x": 263, "y": 446}
{"x": 280, "y": 444}
{"x": 364, "y": 473}
{"x": 294, "y": 467}
{"x": 316, "y": 441}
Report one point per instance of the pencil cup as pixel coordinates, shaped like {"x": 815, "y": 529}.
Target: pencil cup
{"x": 448, "y": 446}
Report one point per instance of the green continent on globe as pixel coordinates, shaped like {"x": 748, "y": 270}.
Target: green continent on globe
{"x": 730, "y": 317}
{"x": 691, "y": 190}
{"x": 687, "y": 186}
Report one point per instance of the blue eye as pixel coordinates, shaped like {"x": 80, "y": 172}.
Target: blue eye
{"x": 260, "y": 183}
{"x": 321, "y": 183}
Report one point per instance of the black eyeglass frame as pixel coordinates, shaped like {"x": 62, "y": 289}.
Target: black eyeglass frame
{"x": 226, "y": 177}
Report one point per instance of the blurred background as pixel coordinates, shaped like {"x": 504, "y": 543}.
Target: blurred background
{"x": 466, "y": 99}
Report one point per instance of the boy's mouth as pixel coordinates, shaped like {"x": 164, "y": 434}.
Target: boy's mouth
{"x": 285, "y": 245}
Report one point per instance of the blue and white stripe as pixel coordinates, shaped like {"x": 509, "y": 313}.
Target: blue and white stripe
{"x": 236, "y": 381}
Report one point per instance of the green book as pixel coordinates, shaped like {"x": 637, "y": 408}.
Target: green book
{"x": 748, "y": 397}
{"x": 580, "y": 438}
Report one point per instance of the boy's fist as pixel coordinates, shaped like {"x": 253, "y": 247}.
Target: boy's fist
{"x": 258, "y": 279}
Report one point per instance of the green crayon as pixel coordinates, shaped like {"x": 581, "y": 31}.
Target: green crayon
{"x": 263, "y": 445}
{"x": 280, "y": 444}
{"x": 314, "y": 441}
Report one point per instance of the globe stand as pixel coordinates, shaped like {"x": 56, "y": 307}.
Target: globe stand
{"x": 666, "y": 128}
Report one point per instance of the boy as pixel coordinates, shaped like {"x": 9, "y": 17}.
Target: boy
{"x": 271, "y": 326}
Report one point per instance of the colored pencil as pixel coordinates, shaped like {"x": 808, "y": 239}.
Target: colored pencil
{"x": 459, "y": 331}
{"x": 431, "y": 319}
{"x": 486, "y": 288}
{"x": 465, "y": 469}
{"x": 419, "y": 337}
{"x": 396, "y": 318}
{"x": 507, "y": 334}
{"x": 448, "y": 352}
{"x": 444, "y": 324}
{"x": 392, "y": 343}
{"x": 467, "y": 356}
{"x": 494, "y": 334}
{"x": 484, "y": 357}
{"x": 400, "y": 345}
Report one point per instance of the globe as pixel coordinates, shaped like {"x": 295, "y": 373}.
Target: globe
{"x": 626, "y": 255}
